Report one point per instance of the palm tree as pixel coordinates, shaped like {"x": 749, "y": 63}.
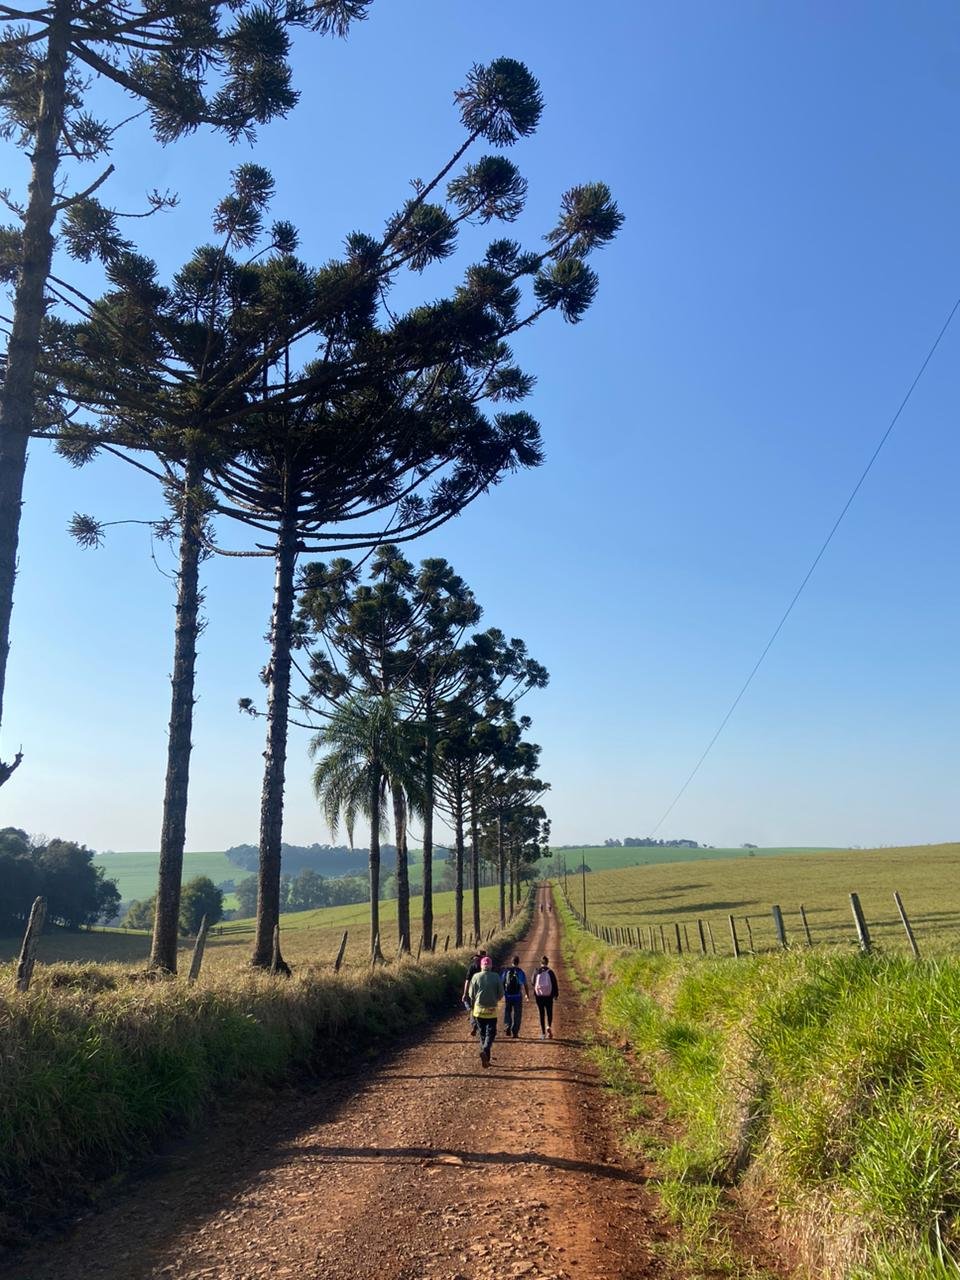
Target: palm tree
{"x": 368, "y": 750}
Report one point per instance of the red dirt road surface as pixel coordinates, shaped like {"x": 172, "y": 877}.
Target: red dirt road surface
{"x": 420, "y": 1166}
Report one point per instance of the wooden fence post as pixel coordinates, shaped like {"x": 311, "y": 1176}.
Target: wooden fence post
{"x": 433, "y": 944}
{"x": 663, "y": 940}
{"x": 906, "y": 924}
{"x": 746, "y": 921}
{"x": 806, "y": 927}
{"x": 446, "y": 942}
{"x": 676, "y": 927}
{"x": 733, "y": 937}
{"x": 419, "y": 947}
{"x": 653, "y": 938}
{"x": 196, "y": 960}
{"x": 28, "y": 952}
{"x": 779, "y": 926}
{"x": 343, "y": 946}
{"x": 703, "y": 940}
{"x": 713, "y": 945}
{"x": 686, "y": 938}
{"x": 863, "y": 933}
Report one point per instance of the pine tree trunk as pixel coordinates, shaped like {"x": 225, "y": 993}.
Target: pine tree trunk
{"x": 427, "y": 906}
{"x": 275, "y": 756}
{"x": 475, "y": 858}
{"x": 163, "y": 952}
{"x": 403, "y": 869}
{"x": 458, "y": 870}
{"x": 17, "y": 397}
{"x": 374, "y": 864}
{"x": 501, "y": 870}
{"x": 512, "y": 873}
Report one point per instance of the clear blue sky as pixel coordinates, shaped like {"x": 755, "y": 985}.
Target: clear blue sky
{"x": 792, "y": 188}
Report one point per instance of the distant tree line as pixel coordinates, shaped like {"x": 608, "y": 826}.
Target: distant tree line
{"x": 306, "y": 890}
{"x": 333, "y": 860}
{"x": 647, "y": 842}
{"x": 62, "y": 871}
{"x": 199, "y": 897}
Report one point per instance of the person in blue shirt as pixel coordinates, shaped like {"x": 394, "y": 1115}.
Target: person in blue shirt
{"x": 515, "y": 990}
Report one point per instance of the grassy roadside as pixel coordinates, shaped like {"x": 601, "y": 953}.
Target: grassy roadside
{"x": 826, "y": 1085}
{"x": 96, "y": 1069}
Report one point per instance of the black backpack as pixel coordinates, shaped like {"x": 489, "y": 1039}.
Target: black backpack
{"x": 511, "y": 982}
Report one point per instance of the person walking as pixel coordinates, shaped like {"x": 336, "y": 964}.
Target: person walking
{"x": 486, "y": 992}
{"x": 515, "y": 989}
{"x": 546, "y": 989}
{"x": 472, "y": 968}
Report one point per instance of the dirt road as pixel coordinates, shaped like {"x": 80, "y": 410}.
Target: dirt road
{"x": 420, "y": 1167}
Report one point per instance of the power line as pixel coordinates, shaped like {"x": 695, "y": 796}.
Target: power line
{"x": 809, "y": 574}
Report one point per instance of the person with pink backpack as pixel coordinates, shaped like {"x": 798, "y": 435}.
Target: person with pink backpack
{"x": 546, "y": 989}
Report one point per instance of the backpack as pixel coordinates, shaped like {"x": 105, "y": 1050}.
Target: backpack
{"x": 543, "y": 983}
{"x": 511, "y": 982}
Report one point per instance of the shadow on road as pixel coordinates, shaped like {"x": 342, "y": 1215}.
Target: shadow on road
{"x": 450, "y": 1155}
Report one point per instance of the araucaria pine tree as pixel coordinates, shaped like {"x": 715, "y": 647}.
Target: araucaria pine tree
{"x": 188, "y": 64}
{"x": 383, "y": 435}
{"x": 384, "y": 635}
{"x": 162, "y": 374}
{"x": 380, "y": 432}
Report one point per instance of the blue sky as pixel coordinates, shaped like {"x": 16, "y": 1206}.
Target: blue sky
{"x": 790, "y": 179}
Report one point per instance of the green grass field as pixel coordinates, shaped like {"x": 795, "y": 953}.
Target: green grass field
{"x": 600, "y": 858}
{"x": 927, "y": 877}
{"x": 307, "y": 937}
{"x": 136, "y": 873}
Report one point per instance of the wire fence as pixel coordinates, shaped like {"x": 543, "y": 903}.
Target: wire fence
{"x": 729, "y": 934}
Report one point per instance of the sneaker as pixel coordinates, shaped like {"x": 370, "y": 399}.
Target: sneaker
{"x": 516, "y": 1035}
{"x": 485, "y": 1058}
{"x": 542, "y": 1036}
{"x": 549, "y": 1033}
{"x": 473, "y": 1029}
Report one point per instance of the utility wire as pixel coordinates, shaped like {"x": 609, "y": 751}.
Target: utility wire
{"x": 809, "y": 574}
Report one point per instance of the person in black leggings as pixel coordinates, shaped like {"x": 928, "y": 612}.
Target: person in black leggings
{"x": 546, "y": 989}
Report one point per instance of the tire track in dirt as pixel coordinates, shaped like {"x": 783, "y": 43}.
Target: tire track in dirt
{"x": 419, "y": 1167}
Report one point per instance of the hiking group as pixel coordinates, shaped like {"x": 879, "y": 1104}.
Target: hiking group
{"x": 484, "y": 988}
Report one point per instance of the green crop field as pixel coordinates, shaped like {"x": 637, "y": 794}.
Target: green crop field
{"x": 601, "y": 858}
{"x": 136, "y": 873}
{"x": 307, "y": 937}
{"x": 927, "y": 877}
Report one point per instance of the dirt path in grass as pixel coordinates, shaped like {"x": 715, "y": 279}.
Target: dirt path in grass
{"x": 421, "y": 1166}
